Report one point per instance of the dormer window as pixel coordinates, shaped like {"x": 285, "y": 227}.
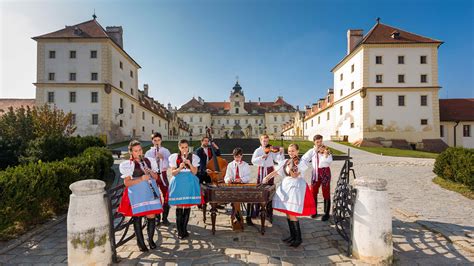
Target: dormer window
{"x": 395, "y": 35}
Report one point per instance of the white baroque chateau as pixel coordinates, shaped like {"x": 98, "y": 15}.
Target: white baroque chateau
{"x": 84, "y": 69}
{"x": 385, "y": 87}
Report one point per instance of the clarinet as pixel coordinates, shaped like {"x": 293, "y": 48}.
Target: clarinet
{"x": 158, "y": 159}
{"x": 146, "y": 169}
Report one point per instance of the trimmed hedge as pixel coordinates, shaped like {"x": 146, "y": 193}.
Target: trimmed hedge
{"x": 456, "y": 164}
{"x": 32, "y": 193}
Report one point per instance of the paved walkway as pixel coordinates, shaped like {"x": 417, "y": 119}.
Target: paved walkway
{"x": 413, "y": 243}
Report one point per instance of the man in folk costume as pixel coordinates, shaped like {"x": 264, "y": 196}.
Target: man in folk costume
{"x": 238, "y": 172}
{"x": 321, "y": 159}
{"x": 185, "y": 190}
{"x": 264, "y": 157}
{"x": 292, "y": 196}
{"x": 141, "y": 197}
{"x": 205, "y": 154}
{"x": 161, "y": 154}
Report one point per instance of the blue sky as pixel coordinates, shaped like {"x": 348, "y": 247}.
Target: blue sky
{"x": 196, "y": 48}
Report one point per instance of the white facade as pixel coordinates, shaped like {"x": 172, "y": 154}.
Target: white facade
{"x": 464, "y": 133}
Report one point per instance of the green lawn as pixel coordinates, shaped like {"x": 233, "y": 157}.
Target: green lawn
{"x": 394, "y": 151}
{"x": 453, "y": 186}
{"x": 304, "y": 145}
{"x": 118, "y": 144}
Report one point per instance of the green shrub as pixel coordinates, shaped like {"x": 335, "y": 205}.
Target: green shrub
{"x": 33, "y": 192}
{"x": 456, "y": 164}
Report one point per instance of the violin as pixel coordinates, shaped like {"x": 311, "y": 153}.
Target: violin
{"x": 269, "y": 148}
{"x": 217, "y": 165}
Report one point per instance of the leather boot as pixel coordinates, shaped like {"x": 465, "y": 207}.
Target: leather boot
{"x": 297, "y": 240}
{"x": 327, "y": 209}
{"x": 316, "y": 208}
{"x": 166, "y": 211}
{"x": 179, "y": 222}
{"x": 186, "y": 214}
{"x": 150, "y": 229}
{"x": 292, "y": 233}
{"x": 137, "y": 226}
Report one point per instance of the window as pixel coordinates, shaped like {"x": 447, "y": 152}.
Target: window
{"x": 52, "y": 54}
{"x": 72, "y": 54}
{"x": 441, "y": 131}
{"x": 95, "y": 119}
{"x": 153, "y": 120}
{"x": 379, "y": 122}
{"x": 401, "y": 78}
{"x": 401, "y": 59}
{"x": 191, "y": 119}
{"x": 319, "y": 120}
{"x": 329, "y": 99}
{"x": 378, "y": 60}
{"x": 352, "y": 85}
{"x": 50, "y": 96}
{"x": 159, "y": 123}
{"x": 378, "y": 100}
{"x": 342, "y": 76}
{"x": 121, "y": 103}
{"x": 227, "y": 121}
{"x": 352, "y": 125}
{"x": 121, "y": 84}
{"x": 72, "y": 97}
{"x": 424, "y": 100}
{"x": 200, "y": 130}
{"x": 352, "y": 105}
{"x": 132, "y": 108}
{"x": 424, "y": 121}
{"x": 143, "y": 115}
{"x": 274, "y": 130}
{"x": 274, "y": 118}
{"x": 218, "y": 121}
{"x": 72, "y": 76}
{"x": 378, "y": 78}
{"x": 340, "y": 110}
{"x": 236, "y": 110}
{"x": 327, "y": 114}
{"x": 312, "y": 123}
{"x": 423, "y": 59}
{"x": 237, "y": 121}
{"x": 131, "y": 91}
{"x": 143, "y": 129}
{"x": 73, "y": 119}
{"x": 341, "y": 92}
{"x": 352, "y": 68}
{"x": 93, "y": 54}
{"x": 94, "y": 97}
{"x": 466, "y": 130}
{"x": 423, "y": 78}
{"x": 50, "y": 76}
{"x": 401, "y": 100}
{"x": 121, "y": 65}
{"x": 94, "y": 76}
{"x": 131, "y": 73}
{"x": 121, "y": 123}
{"x": 200, "y": 119}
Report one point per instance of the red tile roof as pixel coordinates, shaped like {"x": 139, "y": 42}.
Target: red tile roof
{"x": 5, "y": 104}
{"x": 456, "y": 109}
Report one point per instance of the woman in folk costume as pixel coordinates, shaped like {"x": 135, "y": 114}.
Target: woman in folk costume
{"x": 141, "y": 197}
{"x": 293, "y": 196}
{"x": 161, "y": 155}
{"x": 321, "y": 159}
{"x": 185, "y": 190}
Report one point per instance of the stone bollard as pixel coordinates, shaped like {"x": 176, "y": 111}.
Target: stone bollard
{"x": 372, "y": 228}
{"x": 88, "y": 228}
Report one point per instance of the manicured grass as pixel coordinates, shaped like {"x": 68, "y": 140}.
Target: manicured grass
{"x": 304, "y": 145}
{"x": 453, "y": 186}
{"x": 118, "y": 144}
{"x": 394, "y": 151}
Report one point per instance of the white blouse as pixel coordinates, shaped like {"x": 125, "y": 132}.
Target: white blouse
{"x": 244, "y": 172}
{"x": 164, "y": 163}
{"x": 257, "y": 158}
{"x": 174, "y": 156}
{"x": 310, "y": 157}
{"x": 126, "y": 168}
{"x": 302, "y": 167}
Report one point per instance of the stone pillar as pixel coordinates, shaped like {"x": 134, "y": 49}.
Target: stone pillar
{"x": 372, "y": 227}
{"x": 88, "y": 228}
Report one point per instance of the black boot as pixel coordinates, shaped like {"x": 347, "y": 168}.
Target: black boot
{"x": 166, "y": 211}
{"x": 292, "y": 233}
{"x": 137, "y": 226}
{"x": 297, "y": 240}
{"x": 186, "y": 214}
{"x": 150, "y": 229}
{"x": 270, "y": 212}
{"x": 179, "y": 222}
{"x": 316, "y": 208}
{"x": 158, "y": 219}
{"x": 327, "y": 208}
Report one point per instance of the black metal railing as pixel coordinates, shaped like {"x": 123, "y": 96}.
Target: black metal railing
{"x": 343, "y": 202}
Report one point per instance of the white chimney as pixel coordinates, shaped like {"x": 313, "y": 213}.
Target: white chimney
{"x": 145, "y": 89}
{"x": 354, "y": 37}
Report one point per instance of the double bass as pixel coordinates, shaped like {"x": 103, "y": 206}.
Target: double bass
{"x": 217, "y": 165}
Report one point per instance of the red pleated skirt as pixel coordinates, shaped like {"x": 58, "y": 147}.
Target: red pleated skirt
{"x": 309, "y": 207}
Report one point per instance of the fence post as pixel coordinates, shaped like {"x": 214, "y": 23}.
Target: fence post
{"x": 88, "y": 225}
{"x": 372, "y": 228}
